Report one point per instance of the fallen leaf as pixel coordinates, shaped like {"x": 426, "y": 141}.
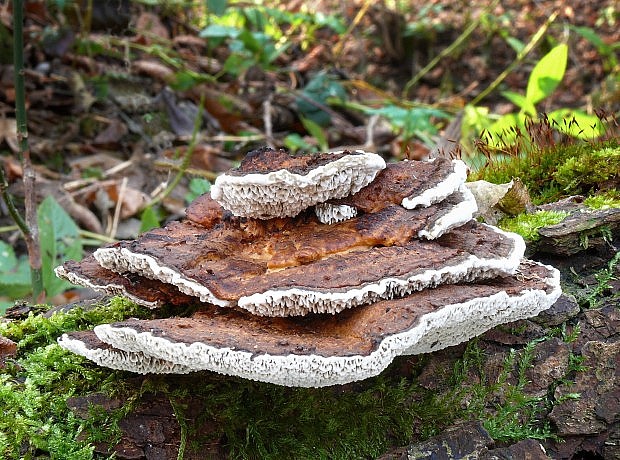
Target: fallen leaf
{"x": 8, "y": 133}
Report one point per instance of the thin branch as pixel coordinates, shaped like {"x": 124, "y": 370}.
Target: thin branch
{"x": 31, "y": 233}
{"x": 522, "y": 54}
{"x": 445, "y": 52}
{"x": 187, "y": 157}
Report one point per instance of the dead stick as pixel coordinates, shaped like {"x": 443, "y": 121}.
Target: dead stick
{"x": 31, "y": 229}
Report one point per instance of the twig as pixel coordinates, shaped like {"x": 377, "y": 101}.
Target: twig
{"x": 338, "y": 47}
{"x": 96, "y": 236}
{"x": 187, "y": 157}
{"x": 31, "y": 229}
{"x": 520, "y": 56}
{"x": 267, "y": 121}
{"x": 446, "y": 51}
{"x": 118, "y": 208}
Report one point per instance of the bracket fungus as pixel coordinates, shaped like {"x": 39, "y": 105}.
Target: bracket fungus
{"x": 324, "y": 350}
{"x": 313, "y": 292}
{"x": 270, "y": 183}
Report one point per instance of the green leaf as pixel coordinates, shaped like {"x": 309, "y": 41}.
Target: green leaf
{"x": 503, "y": 130}
{"x": 322, "y": 87}
{"x": 217, "y": 7}
{"x": 8, "y": 261}
{"x": 547, "y": 74}
{"x": 60, "y": 241}
{"x": 515, "y": 44}
{"x": 294, "y": 142}
{"x": 149, "y": 219}
{"x": 219, "y": 31}
{"x": 237, "y": 63}
{"x": 603, "y": 48}
{"x": 197, "y": 186}
{"x": 520, "y": 101}
{"x": 417, "y": 121}
{"x": 315, "y": 131}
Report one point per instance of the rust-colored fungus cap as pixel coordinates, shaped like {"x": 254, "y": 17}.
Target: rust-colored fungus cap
{"x": 411, "y": 184}
{"x": 271, "y": 183}
{"x": 143, "y": 291}
{"x": 321, "y": 350}
{"x": 309, "y": 267}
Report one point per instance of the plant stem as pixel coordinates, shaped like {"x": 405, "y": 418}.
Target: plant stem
{"x": 187, "y": 157}
{"x": 445, "y": 52}
{"x": 524, "y": 52}
{"x": 31, "y": 229}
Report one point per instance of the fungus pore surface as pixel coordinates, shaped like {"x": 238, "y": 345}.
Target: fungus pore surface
{"x": 321, "y": 350}
{"x": 272, "y": 183}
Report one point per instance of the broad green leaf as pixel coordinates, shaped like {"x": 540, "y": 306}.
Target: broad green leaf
{"x": 8, "y": 261}
{"x": 219, "y": 31}
{"x": 315, "y": 131}
{"x": 197, "y": 186}
{"x": 237, "y": 63}
{"x": 294, "y": 142}
{"x": 14, "y": 273}
{"x": 576, "y": 123}
{"x": 149, "y": 219}
{"x": 60, "y": 241}
{"x": 502, "y": 132}
{"x": 547, "y": 74}
{"x": 411, "y": 122}
{"x": 321, "y": 88}
{"x": 217, "y": 7}
{"x": 18, "y": 276}
{"x": 520, "y": 101}
{"x": 475, "y": 119}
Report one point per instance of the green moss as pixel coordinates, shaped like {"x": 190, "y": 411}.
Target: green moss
{"x": 605, "y": 200}
{"x": 35, "y": 386}
{"x": 592, "y": 167}
{"x": 547, "y": 171}
{"x": 527, "y": 224}
{"x": 253, "y": 420}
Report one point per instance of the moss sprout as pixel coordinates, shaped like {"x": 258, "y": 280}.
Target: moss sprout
{"x": 604, "y": 200}
{"x": 527, "y": 224}
{"x": 593, "y": 168}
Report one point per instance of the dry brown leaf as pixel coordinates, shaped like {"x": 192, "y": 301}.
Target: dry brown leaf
{"x": 152, "y": 25}
{"x": 153, "y": 69}
{"x": 8, "y": 133}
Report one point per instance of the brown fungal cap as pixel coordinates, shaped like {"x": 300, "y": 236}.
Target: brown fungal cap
{"x": 410, "y": 184}
{"x": 348, "y": 264}
{"x": 323, "y": 350}
{"x": 266, "y": 160}
{"x": 205, "y": 211}
{"x": 143, "y": 291}
{"x": 273, "y": 183}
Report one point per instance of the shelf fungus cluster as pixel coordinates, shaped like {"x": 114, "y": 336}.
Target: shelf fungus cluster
{"x": 313, "y": 270}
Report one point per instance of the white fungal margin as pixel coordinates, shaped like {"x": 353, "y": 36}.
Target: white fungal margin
{"x": 458, "y": 215}
{"x": 298, "y": 301}
{"x": 282, "y": 193}
{"x": 138, "y": 362}
{"x": 122, "y": 260}
{"x": 442, "y": 190}
{"x": 302, "y": 301}
{"x": 447, "y": 326}
{"x": 110, "y": 289}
